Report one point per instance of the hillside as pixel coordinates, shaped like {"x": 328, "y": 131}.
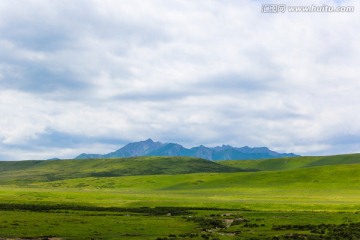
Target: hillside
{"x": 332, "y": 178}
{"x": 293, "y": 163}
{"x": 329, "y": 187}
{"x": 49, "y": 170}
{"x": 224, "y": 152}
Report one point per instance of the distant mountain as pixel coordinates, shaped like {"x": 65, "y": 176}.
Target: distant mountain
{"x": 225, "y": 152}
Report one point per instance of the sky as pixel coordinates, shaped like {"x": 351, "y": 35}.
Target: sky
{"x": 92, "y": 75}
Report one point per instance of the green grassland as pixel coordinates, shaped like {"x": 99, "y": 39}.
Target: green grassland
{"x": 190, "y": 198}
{"x": 292, "y": 163}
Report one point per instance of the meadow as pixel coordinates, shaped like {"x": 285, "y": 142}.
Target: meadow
{"x": 181, "y": 198}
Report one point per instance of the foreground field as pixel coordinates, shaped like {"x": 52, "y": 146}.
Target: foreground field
{"x": 308, "y": 199}
{"x": 190, "y": 224}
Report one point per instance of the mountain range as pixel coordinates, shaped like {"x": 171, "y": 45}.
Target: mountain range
{"x": 225, "y": 152}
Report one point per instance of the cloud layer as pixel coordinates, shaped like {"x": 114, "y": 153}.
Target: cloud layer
{"x": 90, "y": 76}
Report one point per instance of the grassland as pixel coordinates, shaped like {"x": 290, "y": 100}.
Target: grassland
{"x": 160, "y": 197}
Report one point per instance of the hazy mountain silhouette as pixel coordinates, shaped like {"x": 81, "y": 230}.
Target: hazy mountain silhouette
{"x": 225, "y": 152}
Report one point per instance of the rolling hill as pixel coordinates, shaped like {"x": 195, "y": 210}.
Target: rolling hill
{"x": 316, "y": 184}
{"x": 333, "y": 178}
{"x": 293, "y": 163}
{"x": 27, "y": 172}
{"x": 49, "y": 170}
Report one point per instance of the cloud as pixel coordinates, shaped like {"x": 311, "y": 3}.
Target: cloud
{"x": 89, "y": 76}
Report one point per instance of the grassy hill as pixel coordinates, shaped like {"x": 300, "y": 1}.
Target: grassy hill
{"x": 50, "y": 170}
{"x": 311, "y": 181}
{"x": 330, "y": 187}
{"x": 332, "y": 177}
{"x": 293, "y": 163}
{"x": 302, "y": 180}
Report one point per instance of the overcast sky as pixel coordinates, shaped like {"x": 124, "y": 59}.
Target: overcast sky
{"x": 90, "y": 76}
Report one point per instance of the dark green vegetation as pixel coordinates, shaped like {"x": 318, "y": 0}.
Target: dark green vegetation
{"x": 181, "y": 198}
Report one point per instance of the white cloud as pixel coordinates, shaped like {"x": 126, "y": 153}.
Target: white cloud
{"x": 194, "y": 72}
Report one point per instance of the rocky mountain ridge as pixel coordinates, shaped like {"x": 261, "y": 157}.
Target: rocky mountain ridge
{"x": 224, "y": 152}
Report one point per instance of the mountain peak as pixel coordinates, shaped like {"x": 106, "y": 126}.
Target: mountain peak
{"x": 202, "y": 147}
